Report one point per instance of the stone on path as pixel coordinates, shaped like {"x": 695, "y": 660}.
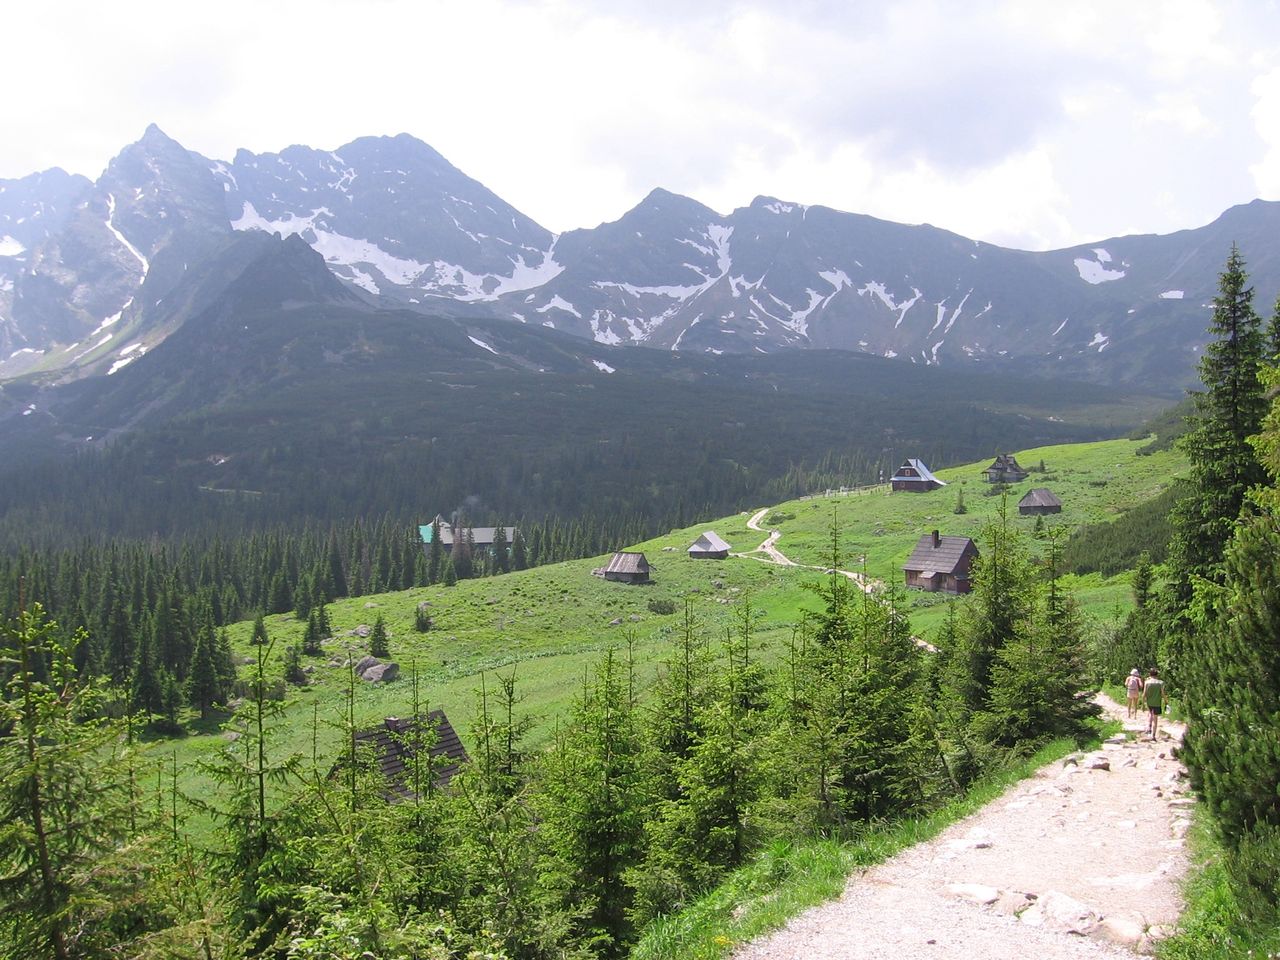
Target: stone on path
{"x": 974, "y": 893}
{"x": 1057, "y": 911}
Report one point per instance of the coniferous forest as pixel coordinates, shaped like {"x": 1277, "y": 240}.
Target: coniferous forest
{"x": 640, "y": 803}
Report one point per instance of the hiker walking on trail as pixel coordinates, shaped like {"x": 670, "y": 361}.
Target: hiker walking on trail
{"x": 1153, "y": 693}
{"x": 1133, "y": 684}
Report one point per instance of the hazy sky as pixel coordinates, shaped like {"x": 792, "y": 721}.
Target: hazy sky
{"x": 1030, "y": 124}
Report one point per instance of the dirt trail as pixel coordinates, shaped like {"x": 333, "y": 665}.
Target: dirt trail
{"x": 774, "y": 555}
{"x": 1083, "y": 859}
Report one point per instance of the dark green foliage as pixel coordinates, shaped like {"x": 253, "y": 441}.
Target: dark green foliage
{"x": 422, "y": 621}
{"x": 1224, "y": 464}
{"x": 259, "y": 630}
{"x": 293, "y": 672}
{"x": 960, "y": 508}
{"x": 1115, "y": 546}
{"x": 1233, "y": 695}
{"x": 205, "y": 687}
{"x": 378, "y": 640}
{"x": 1167, "y": 427}
{"x": 64, "y": 801}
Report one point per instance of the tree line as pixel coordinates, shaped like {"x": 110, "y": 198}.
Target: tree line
{"x": 652, "y": 790}
{"x": 1209, "y": 617}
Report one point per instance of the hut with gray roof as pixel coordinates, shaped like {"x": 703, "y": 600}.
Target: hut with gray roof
{"x": 1038, "y": 502}
{"x": 626, "y": 567}
{"x": 1005, "y": 469}
{"x": 941, "y": 564}
{"x": 915, "y": 477}
{"x": 709, "y": 546}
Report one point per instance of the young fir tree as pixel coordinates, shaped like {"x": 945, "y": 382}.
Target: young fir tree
{"x": 259, "y": 630}
{"x": 378, "y": 640}
{"x": 519, "y": 551}
{"x": 501, "y": 552}
{"x": 64, "y": 799}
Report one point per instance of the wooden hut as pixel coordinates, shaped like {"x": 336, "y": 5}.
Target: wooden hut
{"x": 627, "y": 567}
{"x": 709, "y": 546}
{"x": 915, "y": 477}
{"x": 395, "y": 743}
{"x": 941, "y": 564}
{"x": 1038, "y": 502}
{"x": 1005, "y": 469}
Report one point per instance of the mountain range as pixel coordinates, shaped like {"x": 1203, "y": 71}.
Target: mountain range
{"x": 95, "y": 274}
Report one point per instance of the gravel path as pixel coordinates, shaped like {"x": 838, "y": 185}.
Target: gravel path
{"x": 1082, "y": 859}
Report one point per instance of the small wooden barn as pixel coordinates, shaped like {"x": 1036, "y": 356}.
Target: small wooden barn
{"x": 627, "y": 567}
{"x": 396, "y": 742}
{"x": 1005, "y": 469}
{"x": 1038, "y": 502}
{"x": 941, "y": 564}
{"x": 709, "y": 546}
{"x": 915, "y": 477}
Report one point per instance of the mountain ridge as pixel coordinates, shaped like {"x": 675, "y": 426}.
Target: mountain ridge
{"x": 393, "y": 218}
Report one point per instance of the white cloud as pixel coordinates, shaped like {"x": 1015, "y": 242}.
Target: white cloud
{"x": 1028, "y": 124}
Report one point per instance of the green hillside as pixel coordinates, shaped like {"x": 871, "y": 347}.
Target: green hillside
{"x": 549, "y": 624}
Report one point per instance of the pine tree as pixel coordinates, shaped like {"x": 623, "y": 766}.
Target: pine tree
{"x": 204, "y": 684}
{"x": 1230, "y": 409}
{"x": 293, "y": 672}
{"x": 519, "y": 551}
{"x": 146, "y": 694}
{"x": 501, "y": 554}
{"x": 259, "y": 630}
{"x": 435, "y": 555}
{"x": 378, "y": 640}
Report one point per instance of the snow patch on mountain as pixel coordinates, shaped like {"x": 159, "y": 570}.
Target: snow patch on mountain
{"x": 9, "y": 247}
{"x": 1060, "y": 326}
{"x": 1171, "y": 295}
{"x": 1094, "y": 271}
{"x": 1100, "y": 340}
{"x": 600, "y": 331}
{"x": 878, "y": 290}
{"x": 603, "y": 367}
{"x": 111, "y": 214}
{"x": 482, "y": 345}
{"x": 558, "y": 302}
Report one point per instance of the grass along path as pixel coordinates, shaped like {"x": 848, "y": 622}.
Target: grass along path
{"x": 773, "y": 555}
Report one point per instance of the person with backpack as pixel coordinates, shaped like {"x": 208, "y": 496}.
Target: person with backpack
{"x": 1153, "y": 693}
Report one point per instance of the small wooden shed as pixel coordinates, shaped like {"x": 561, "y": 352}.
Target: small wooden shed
{"x": 626, "y": 567}
{"x": 709, "y": 546}
{"x": 915, "y": 477}
{"x": 1005, "y": 469}
{"x": 941, "y": 564}
{"x": 396, "y": 742}
{"x": 1038, "y": 502}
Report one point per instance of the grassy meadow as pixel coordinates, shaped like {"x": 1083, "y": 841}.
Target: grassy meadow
{"x": 550, "y": 624}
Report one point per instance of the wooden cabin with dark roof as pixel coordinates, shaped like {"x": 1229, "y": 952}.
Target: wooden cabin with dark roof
{"x": 396, "y": 743}
{"x": 915, "y": 477}
{"x": 941, "y": 564}
{"x": 1005, "y": 469}
{"x": 709, "y": 546}
{"x": 1038, "y": 502}
{"x": 625, "y": 567}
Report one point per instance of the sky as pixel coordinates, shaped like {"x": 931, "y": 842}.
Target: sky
{"x": 1034, "y": 124}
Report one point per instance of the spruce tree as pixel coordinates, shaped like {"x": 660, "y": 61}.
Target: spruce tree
{"x": 259, "y": 630}
{"x": 378, "y": 640}
{"x": 1230, "y": 409}
{"x": 146, "y": 694}
{"x": 435, "y": 555}
{"x": 204, "y": 684}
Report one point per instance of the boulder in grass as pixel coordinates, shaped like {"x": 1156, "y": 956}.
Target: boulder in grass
{"x": 382, "y": 673}
{"x": 364, "y": 663}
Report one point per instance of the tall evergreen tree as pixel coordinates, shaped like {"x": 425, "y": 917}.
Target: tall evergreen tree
{"x": 1230, "y": 410}
{"x": 378, "y": 639}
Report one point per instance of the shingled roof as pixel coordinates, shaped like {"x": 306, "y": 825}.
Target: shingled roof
{"x": 936, "y": 554}
{"x": 624, "y": 562}
{"x": 1040, "y": 497}
{"x": 392, "y": 744}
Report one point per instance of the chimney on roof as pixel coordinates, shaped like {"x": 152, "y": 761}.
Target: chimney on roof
{"x": 937, "y": 540}
{"x": 392, "y": 724}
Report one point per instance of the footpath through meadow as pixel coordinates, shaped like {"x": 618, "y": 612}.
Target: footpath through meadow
{"x": 1085, "y": 858}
